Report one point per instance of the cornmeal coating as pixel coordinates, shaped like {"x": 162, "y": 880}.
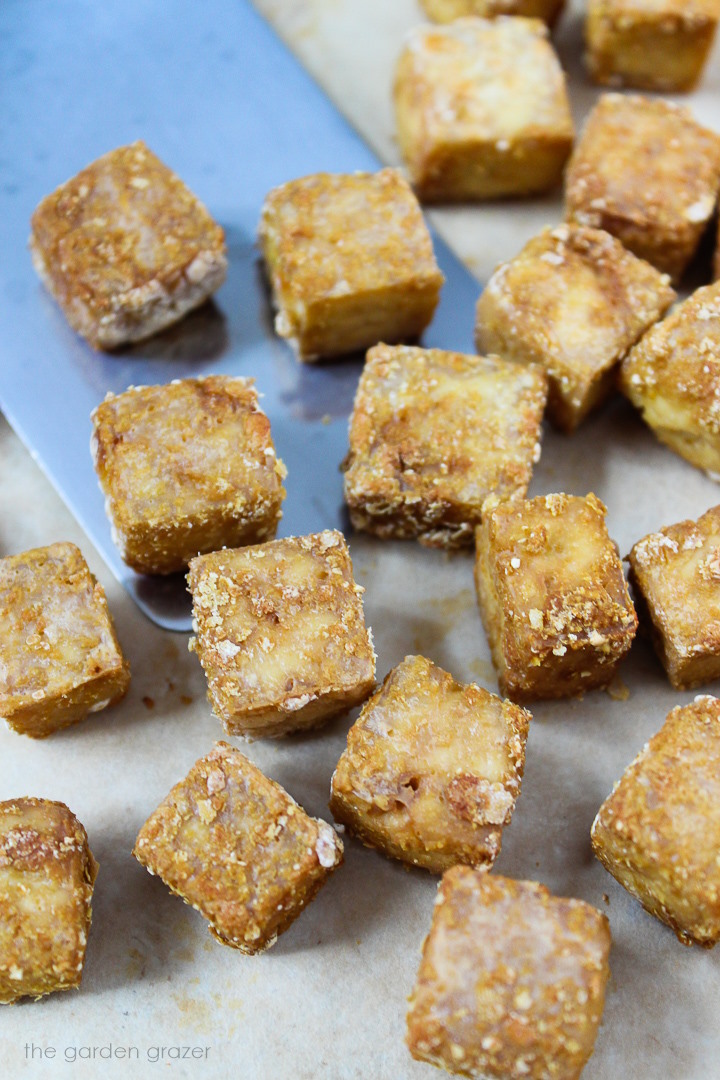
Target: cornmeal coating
{"x": 187, "y": 467}
{"x": 125, "y": 248}
{"x": 280, "y": 633}
{"x": 512, "y": 980}
{"x": 236, "y": 847}
{"x": 60, "y": 656}
{"x": 647, "y": 172}
{"x": 552, "y": 596}
{"x": 47, "y": 873}
{"x": 658, "y": 833}
{"x": 574, "y": 300}
{"x": 649, "y": 44}
{"x": 350, "y": 261}
{"x": 432, "y": 769}
{"x": 432, "y": 434}
{"x": 445, "y": 11}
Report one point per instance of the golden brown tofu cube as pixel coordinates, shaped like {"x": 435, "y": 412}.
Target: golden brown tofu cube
{"x": 432, "y": 434}
{"x": 125, "y": 248}
{"x": 445, "y": 11}
{"x": 647, "y": 172}
{"x": 350, "y": 261}
{"x": 512, "y": 980}
{"x": 455, "y": 139}
{"x": 409, "y": 786}
{"x": 236, "y": 847}
{"x": 281, "y": 634}
{"x": 574, "y": 300}
{"x": 187, "y": 467}
{"x": 552, "y": 596}
{"x": 658, "y": 833}
{"x": 649, "y": 44}
{"x": 60, "y": 656}
{"x": 46, "y": 884}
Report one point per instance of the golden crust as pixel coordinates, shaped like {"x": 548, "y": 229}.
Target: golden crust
{"x": 236, "y": 847}
{"x": 445, "y": 11}
{"x": 512, "y": 980}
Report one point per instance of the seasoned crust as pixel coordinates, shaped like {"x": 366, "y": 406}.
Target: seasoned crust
{"x": 444, "y": 11}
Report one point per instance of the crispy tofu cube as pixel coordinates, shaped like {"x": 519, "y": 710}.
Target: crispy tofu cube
{"x": 649, "y": 44}
{"x": 512, "y": 980}
{"x": 60, "y": 656}
{"x": 658, "y": 833}
{"x": 445, "y": 11}
{"x": 673, "y": 376}
{"x": 647, "y": 172}
{"x": 456, "y": 140}
{"x": 409, "y": 786}
{"x": 432, "y": 434}
{"x": 574, "y": 300}
{"x": 552, "y": 596}
{"x": 47, "y": 873}
{"x": 350, "y": 261}
{"x": 186, "y": 468}
{"x": 125, "y": 248}
{"x": 236, "y": 847}
{"x": 281, "y": 634}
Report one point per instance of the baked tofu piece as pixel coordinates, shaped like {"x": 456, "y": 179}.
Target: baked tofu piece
{"x": 280, "y": 633}
{"x": 457, "y": 143}
{"x": 574, "y": 300}
{"x": 236, "y": 847}
{"x": 647, "y": 172}
{"x": 125, "y": 248}
{"x": 658, "y": 833}
{"x": 187, "y": 467}
{"x": 60, "y": 656}
{"x": 649, "y": 44}
{"x": 432, "y": 434}
{"x": 512, "y": 980}
{"x": 47, "y": 873}
{"x": 408, "y": 785}
{"x": 552, "y": 596}
{"x": 350, "y": 262}
{"x": 445, "y": 11}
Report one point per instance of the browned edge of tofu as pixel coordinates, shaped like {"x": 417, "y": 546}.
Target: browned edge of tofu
{"x": 444, "y": 11}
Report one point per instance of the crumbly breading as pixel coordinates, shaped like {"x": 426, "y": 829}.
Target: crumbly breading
{"x": 444, "y": 11}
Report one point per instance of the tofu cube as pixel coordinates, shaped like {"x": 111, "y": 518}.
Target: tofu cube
{"x": 482, "y": 110}
{"x": 281, "y": 634}
{"x": 236, "y": 847}
{"x": 673, "y": 376}
{"x": 649, "y": 44}
{"x": 47, "y": 873}
{"x": 658, "y": 833}
{"x": 60, "y": 656}
{"x": 409, "y": 786}
{"x": 125, "y": 248}
{"x": 512, "y": 980}
{"x": 552, "y": 596}
{"x": 574, "y": 300}
{"x": 433, "y": 434}
{"x": 445, "y": 11}
{"x": 350, "y": 262}
{"x": 186, "y": 468}
{"x": 647, "y": 172}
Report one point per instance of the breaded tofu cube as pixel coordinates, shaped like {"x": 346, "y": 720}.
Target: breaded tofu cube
{"x": 187, "y": 467}
{"x": 60, "y": 656}
{"x": 552, "y": 596}
{"x": 673, "y": 376}
{"x": 649, "y": 44}
{"x": 574, "y": 300}
{"x": 482, "y": 109}
{"x": 647, "y": 172}
{"x": 125, "y": 248}
{"x": 350, "y": 262}
{"x": 236, "y": 847}
{"x": 280, "y": 633}
{"x": 47, "y": 873}
{"x": 432, "y": 434}
{"x": 445, "y": 11}
{"x": 432, "y": 769}
{"x": 658, "y": 833}
{"x": 512, "y": 980}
